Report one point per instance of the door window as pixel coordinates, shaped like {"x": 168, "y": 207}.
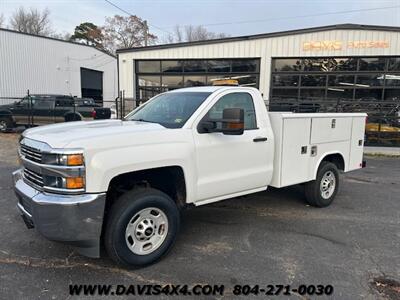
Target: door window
{"x": 43, "y": 103}
{"x": 236, "y": 100}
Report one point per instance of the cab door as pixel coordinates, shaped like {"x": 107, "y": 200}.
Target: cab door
{"x": 43, "y": 110}
{"x": 21, "y": 111}
{"x": 229, "y": 164}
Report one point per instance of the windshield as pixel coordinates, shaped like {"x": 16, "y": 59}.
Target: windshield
{"x": 171, "y": 110}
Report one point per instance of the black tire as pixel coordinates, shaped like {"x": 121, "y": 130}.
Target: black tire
{"x": 72, "y": 117}
{"x": 121, "y": 213}
{"x": 313, "y": 192}
{"x": 6, "y": 124}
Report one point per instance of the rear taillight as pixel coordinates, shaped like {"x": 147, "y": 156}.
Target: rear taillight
{"x": 94, "y": 114}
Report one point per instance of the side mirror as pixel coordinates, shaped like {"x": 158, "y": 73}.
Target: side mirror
{"x": 232, "y": 123}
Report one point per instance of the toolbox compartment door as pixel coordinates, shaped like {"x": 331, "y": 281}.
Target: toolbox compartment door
{"x": 330, "y": 129}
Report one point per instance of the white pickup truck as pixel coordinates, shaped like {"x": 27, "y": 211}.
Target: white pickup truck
{"x": 123, "y": 183}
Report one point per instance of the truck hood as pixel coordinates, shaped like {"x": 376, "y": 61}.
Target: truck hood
{"x": 81, "y": 133}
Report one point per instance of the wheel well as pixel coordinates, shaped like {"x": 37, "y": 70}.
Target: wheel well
{"x": 169, "y": 180}
{"x": 336, "y": 159}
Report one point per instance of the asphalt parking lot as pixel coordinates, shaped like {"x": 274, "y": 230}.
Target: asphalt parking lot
{"x": 271, "y": 237}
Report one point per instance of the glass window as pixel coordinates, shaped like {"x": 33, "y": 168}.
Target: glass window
{"x": 170, "y": 66}
{"x": 341, "y": 80}
{"x": 285, "y": 93}
{"x": 176, "y": 81}
{"x": 369, "y": 94}
{"x": 195, "y": 66}
{"x": 371, "y": 80}
{"x": 392, "y": 94}
{"x": 195, "y": 80}
{"x": 212, "y": 78}
{"x": 246, "y": 80}
{"x": 219, "y": 66}
{"x": 338, "y": 93}
{"x": 285, "y": 80}
{"x": 394, "y": 64}
{"x": 148, "y": 66}
{"x": 245, "y": 65}
{"x": 171, "y": 110}
{"x": 235, "y": 100}
{"x": 320, "y": 64}
{"x": 392, "y": 79}
{"x": 313, "y": 80}
{"x": 317, "y": 94}
{"x": 343, "y": 64}
{"x": 149, "y": 80}
{"x": 146, "y": 93}
{"x": 372, "y": 64}
{"x": 287, "y": 64}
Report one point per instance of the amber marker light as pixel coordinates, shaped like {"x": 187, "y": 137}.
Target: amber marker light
{"x": 75, "y": 160}
{"x": 75, "y": 183}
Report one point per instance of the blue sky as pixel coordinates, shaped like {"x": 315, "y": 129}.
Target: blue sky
{"x": 278, "y": 15}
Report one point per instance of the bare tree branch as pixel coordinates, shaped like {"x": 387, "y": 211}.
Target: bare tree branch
{"x": 1, "y": 20}
{"x": 32, "y": 21}
{"x": 191, "y": 33}
{"x": 126, "y": 32}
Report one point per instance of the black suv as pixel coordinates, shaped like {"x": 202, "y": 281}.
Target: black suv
{"x": 47, "y": 109}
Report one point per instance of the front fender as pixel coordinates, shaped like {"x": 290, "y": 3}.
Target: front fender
{"x": 105, "y": 165}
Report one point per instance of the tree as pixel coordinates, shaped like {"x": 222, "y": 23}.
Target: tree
{"x": 126, "y": 32}
{"x": 1, "y": 20}
{"x": 191, "y": 33}
{"x": 31, "y": 21}
{"x": 89, "y": 34}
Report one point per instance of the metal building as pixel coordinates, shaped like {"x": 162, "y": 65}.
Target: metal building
{"x": 345, "y": 61}
{"x": 45, "y": 65}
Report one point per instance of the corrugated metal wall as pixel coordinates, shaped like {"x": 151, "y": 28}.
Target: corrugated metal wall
{"x": 50, "y": 66}
{"x": 265, "y": 48}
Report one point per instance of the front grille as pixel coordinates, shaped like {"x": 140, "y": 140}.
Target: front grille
{"x": 33, "y": 178}
{"x": 31, "y": 153}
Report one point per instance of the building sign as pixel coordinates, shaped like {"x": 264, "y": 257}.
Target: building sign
{"x": 340, "y": 45}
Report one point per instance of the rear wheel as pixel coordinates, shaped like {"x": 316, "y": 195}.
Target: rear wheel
{"x": 72, "y": 117}
{"x": 322, "y": 191}
{"x": 141, "y": 228}
{"x": 5, "y": 124}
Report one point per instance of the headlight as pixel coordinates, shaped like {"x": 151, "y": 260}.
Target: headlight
{"x": 63, "y": 159}
{"x": 69, "y": 183}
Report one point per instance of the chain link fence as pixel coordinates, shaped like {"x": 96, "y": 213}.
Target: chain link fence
{"x": 382, "y": 128}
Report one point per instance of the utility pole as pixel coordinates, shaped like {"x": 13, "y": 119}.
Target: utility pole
{"x": 146, "y": 32}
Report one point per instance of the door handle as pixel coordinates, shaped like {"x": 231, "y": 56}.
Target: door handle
{"x": 260, "y": 139}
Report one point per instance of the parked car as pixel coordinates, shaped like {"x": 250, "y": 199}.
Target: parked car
{"x": 124, "y": 182}
{"x": 47, "y": 109}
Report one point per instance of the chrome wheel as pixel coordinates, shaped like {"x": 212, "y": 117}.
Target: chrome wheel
{"x": 146, "y": 231}
{"x": 328, "y": 184}
{"x": 3, "y": 125}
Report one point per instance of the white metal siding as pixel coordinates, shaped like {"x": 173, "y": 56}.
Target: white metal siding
{"x": 265, "y": 48}
{"x": 50, "y": 66}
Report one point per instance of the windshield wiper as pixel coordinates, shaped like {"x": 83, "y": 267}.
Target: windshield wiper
{"x": 143, "y": 120}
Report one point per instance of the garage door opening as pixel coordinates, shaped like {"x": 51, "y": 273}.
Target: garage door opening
{"x": 92, "y": 84}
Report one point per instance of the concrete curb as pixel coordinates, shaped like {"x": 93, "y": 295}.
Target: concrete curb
{"x": 382, "y": 151}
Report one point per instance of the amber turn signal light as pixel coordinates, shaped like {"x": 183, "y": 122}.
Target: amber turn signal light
{"x": 75, "y": 160}
{"x": 75, "y": 183}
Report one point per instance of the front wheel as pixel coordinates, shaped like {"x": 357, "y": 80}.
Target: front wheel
{"x": 5, "y": 124}
{"x": 141, "y": 228}
{"x": 321, "y": 191}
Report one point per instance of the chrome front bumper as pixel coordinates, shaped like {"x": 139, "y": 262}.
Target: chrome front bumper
{"x": 71, "y": 219}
